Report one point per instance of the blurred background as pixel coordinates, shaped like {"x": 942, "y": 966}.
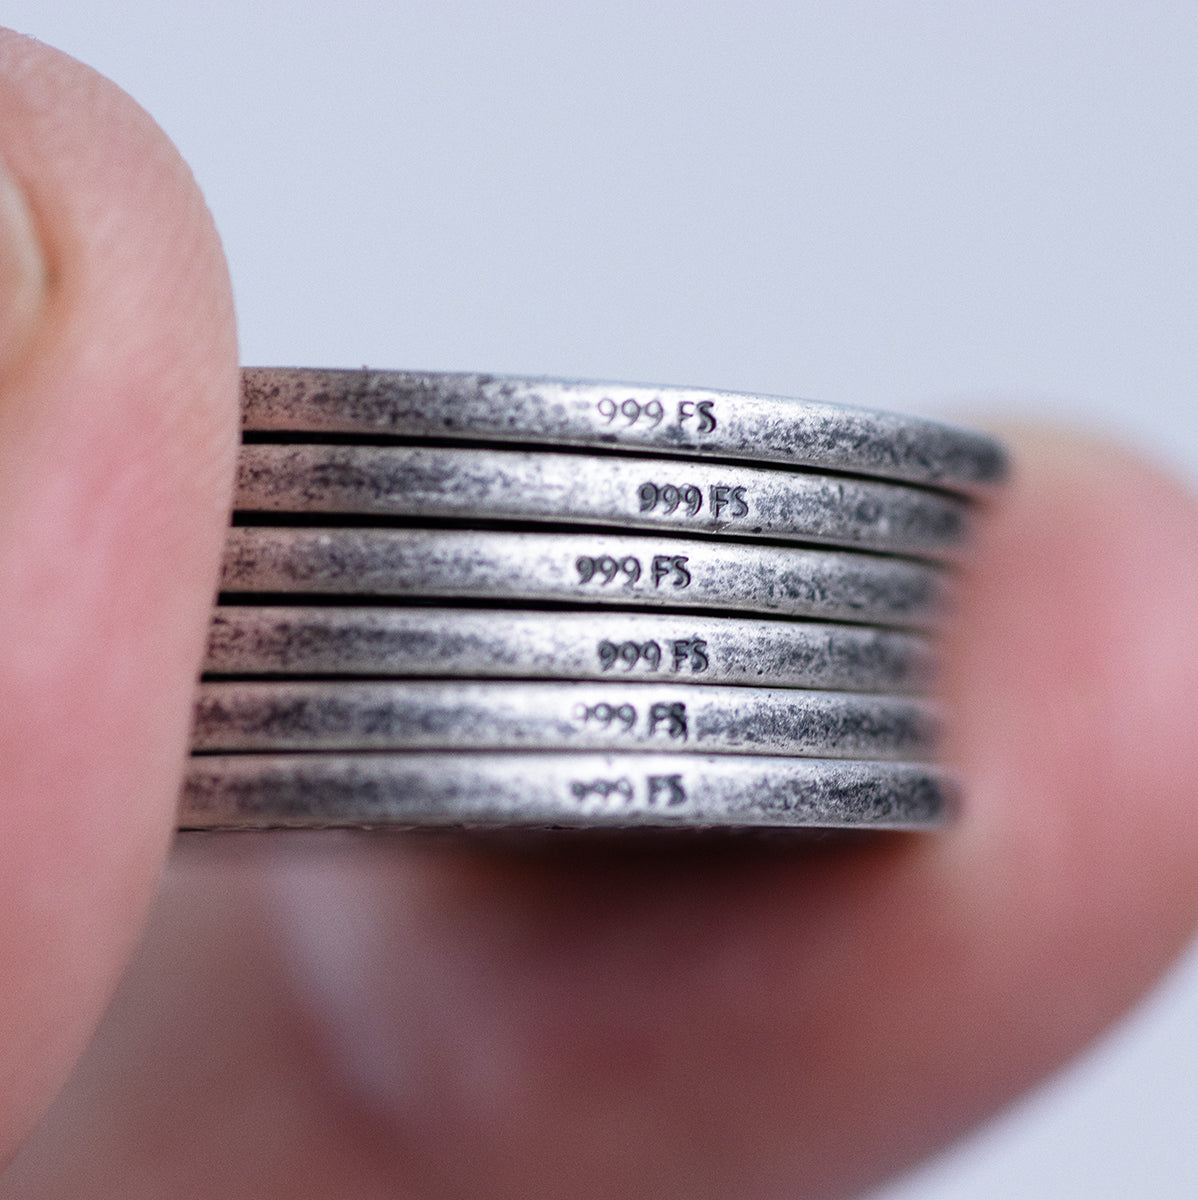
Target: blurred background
{"x": 984, "y": 209}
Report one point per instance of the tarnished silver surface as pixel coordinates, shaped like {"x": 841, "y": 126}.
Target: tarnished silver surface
{"x": 506, "y": 643}
{"x": 433, "y": 710}
{"x": 599, "y": 489}
{"x": 510, "y": 715}
{"x": 671, "y": 420}
{"x": 539, "y": 790}
{"x": 584, "y": 569}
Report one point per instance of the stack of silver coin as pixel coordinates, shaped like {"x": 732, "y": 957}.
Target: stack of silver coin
{"x": 470, "y": 600}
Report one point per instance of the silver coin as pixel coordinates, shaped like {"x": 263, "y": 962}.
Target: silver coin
{"x": 686, "y": 497}
{"x": 633, "y": 417}
{"x": 512, "y": 644}
{"x": 509, "y": 715}
{"x": 564, "y": 790}
{"x": 584, "y": 569}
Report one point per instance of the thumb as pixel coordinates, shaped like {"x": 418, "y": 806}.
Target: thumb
{"x": 117, "y": 430}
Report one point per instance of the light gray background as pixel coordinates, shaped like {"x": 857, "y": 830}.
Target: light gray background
{"x": 924, "y": 206}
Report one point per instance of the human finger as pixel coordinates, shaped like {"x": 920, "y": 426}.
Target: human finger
{"x": 117, "y": 431}
{"x": 762, "y": 1021}
{"x": 379, "y": 1015}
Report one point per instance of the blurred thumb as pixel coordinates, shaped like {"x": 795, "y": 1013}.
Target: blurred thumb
{"x": 117, "y": 431}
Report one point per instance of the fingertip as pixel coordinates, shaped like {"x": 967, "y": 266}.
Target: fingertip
{"x": 117, "y": 439}
{"x": 1072, "y": 663}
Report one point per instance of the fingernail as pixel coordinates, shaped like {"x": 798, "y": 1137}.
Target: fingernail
{"x": 22, "y": 272}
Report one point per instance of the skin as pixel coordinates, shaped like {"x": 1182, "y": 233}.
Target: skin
{"x": 380, "y": 1016}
